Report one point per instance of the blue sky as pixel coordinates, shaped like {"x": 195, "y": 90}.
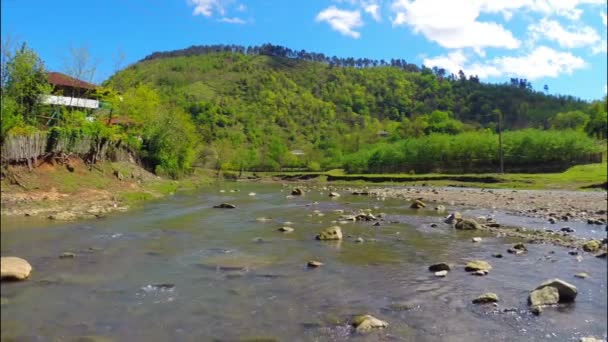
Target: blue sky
{"x": 561, "y": 43}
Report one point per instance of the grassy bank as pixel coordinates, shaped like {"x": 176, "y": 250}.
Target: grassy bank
{"x": 579, "y": 177}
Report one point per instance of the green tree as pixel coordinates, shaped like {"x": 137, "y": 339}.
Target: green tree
{"x": 26, "y": 82}
{"x": 576, "y": 120}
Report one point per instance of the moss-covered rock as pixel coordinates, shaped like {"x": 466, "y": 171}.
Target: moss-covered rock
{"x": 331, "y": 233}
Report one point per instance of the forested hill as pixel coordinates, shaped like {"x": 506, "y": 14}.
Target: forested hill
{"x": 277, "y": 81}
{"x": 266, "y": 101}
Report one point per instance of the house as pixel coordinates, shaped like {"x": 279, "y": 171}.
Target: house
{"x": 70, "y": 92}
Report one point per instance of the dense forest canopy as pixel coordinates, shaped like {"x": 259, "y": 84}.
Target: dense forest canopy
{"x": 269, "y": 108}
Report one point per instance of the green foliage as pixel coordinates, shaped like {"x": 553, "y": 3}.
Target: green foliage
{"x": 576, "y": 120}
{"x": 26, "y": 81}
{"x": 170, "y": 143}
{"x": 474, "y": 152}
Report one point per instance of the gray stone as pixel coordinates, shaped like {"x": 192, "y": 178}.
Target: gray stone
{"x": 544, "y": 296}
{"x": 467, "y": 224}
{"x": 486, "y": 298}
{"x": 442, "y": 266}
{"x": 418, "y": 204}
{"x": 225, "y": 206}
{"x": 477, "y": 265}
{"x": 331, "y": 233}
{"x": 567, "y": 292}
{"x": 365, "y": 323}
{"x": 453, "y": 217}
{"x": 14, "y": 268}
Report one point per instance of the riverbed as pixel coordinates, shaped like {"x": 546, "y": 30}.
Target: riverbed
{"x": 178, "y": 269}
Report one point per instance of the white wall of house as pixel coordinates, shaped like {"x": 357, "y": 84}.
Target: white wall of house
{"x": 70, "y": 101}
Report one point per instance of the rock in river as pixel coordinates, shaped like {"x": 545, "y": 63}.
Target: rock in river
{"x": 467, "y": 224}
{"x": 364, "y": 323}
{"x": 477, "y": 265}
{"x": 334, "y": 194}
{"x": 486, "y": 298}
{"x": 567, "y": 292}
{"x": 441, "y": 274}
{"x": 225, "y": 206}
{"x": 14, "y": 268}
{"x": 417, "y": 204}
{"x": 297, "y": 192}
{"x": 442, "y": 266}
{"x": 331, "y": 233}
{"x": 592, "y": 245}
{"x": 453, "y": 217}
{"x": 286, "y": 229}
{"x": 543, "y": 296}
{"x": 314, "y": 264}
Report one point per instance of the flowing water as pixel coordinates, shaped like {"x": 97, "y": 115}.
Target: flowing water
{"x": 180, "y": 270}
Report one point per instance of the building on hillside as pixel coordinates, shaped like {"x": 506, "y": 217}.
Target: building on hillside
{"x": 71, "y": 92}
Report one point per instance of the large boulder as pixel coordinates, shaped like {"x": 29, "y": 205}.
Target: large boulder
{"x": 544, "y": 296}
{"x": 297, "y": 192}
{"x": 467, "y": 224}
{"x": 14, "y": 268}
{"x": 567, "y": 291}
{"x": 365, "y": 323}
{"x": 331, "y": 233}
{"x": 477, "y": 265}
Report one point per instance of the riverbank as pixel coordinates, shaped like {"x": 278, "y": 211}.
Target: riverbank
{"x": 580, "y": 177}
{"x": 77, "y": 191}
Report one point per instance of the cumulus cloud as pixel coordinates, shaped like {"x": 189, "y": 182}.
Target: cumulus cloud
{"x": 207, "y": 7}
{"x": 452, "y": 24}
{"x": 540, "y": 62}
{"x": 342, "y": 21}
{"x": 604, "y": 18}
{"x": 572, "y": 38}
{"x": 374, "y": 10}
{"x": 455, "y": 24}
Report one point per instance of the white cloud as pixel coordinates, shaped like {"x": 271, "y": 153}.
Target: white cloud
{"x": 573, "y": 38}
{"x": 453, "y": 61}
{"x": 601, "y": 47}
{"x": 452, "y": 24}
{"x": 241, "y": 8}
{"x": 539, "y": 63}
{"x": 342, "y": 21}
{"x": 233, "y": 20}
{"x": 207, "y": 7}
{"x": 604, "y": 18}
{"x": 374, "y": 10}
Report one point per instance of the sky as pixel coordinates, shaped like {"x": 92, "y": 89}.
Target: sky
{"x": 558, "y": 43}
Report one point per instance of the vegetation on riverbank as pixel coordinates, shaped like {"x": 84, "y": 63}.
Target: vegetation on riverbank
{"x": 269, "y": 108}
{"x": 580, "y": 177}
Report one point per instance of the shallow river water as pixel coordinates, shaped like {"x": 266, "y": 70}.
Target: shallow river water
{"x": 180, "y": 270}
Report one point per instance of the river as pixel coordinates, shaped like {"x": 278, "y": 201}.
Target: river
{"x": 179, "y": 270}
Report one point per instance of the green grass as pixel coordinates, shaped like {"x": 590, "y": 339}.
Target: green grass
{"x": 575, "y": 178}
